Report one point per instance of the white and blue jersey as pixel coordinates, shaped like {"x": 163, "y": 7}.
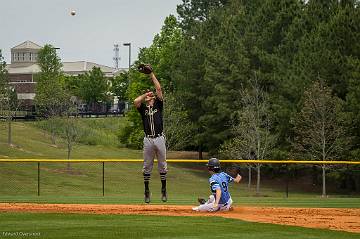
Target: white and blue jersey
{"x": 221, "y": 180}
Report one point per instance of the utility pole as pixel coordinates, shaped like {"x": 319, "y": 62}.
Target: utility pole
{"x": 116, "y": 56}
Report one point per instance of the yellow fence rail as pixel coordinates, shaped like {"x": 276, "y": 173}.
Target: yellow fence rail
{"x": 103, "y": 161}
{"x": 177, "y": 161}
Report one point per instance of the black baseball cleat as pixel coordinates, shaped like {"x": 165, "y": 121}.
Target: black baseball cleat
{"x": 163, "y": 195}
{"x": 147, "y": 196}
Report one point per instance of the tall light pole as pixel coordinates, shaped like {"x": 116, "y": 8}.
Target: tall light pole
{"x": 129, "y": 45}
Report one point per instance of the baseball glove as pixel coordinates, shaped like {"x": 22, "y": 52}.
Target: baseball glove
{"x": 145, "y": 68}
{"x": 233, "y": 171}
{"x": 201, "y": 201}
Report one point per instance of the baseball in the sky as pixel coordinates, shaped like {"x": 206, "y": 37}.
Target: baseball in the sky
{"x": 73, "y": 13}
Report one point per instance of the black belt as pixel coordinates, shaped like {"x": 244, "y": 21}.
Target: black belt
{"x": 154, "y": 136}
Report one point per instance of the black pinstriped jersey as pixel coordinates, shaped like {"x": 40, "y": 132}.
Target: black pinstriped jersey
{"x": 152, "y": 118}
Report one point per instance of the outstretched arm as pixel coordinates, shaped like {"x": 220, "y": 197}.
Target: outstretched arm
{"x": 157, "y": 86}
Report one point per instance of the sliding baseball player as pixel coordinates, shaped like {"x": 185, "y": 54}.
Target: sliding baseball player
{"x": 220, "y": 200}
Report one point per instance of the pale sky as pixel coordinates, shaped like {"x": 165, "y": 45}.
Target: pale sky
{"x": 91, "y": 33}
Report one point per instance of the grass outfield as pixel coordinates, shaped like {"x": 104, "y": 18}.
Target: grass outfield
{"x": 82, "y": 183}
{"x": 123, "y": 181}
{"x": 122, "y": 226}
{"x": 124, "y": 185}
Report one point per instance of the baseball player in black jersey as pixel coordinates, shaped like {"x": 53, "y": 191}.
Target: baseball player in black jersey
{"x": 150, "y": 106}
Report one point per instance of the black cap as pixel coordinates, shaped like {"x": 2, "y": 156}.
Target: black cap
{"x": 213, "y": 163}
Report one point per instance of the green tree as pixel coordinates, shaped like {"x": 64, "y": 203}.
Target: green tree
{"x": 208, "y": 56}
{"x": 211, "y": 65}
{"x": 330, "y": 50}
{"x": 215, "y": 61}
{"x": 8, "y": 98}
{"x": 321, "y": 41}
{"x": 193, "y": 12}
{"x": 94, "y": 88}
{"x": 187, "y": 76}
{"x": 3, "y": 87}
{"x": 3, "y": 73}
{"x": 226, "y": 72}
{"x": 3, "y": 81}
{"x": 71, "y": 132}
{"x": 353, "y": 126}
{"x": 350, "y": 22}
{"x": 180, "y": 130}
{"x": 119, "y": 86}
{"x": 353, "y": 108}
{"x": 51, "y": 98}
{"x": 251, "y": 128}
{"x": 327, "y": 47}
{"x": 319, "y": 127}
{"x": 72, "y": 85}
{"x": 273, "y": 31}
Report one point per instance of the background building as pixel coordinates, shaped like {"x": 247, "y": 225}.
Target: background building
{"x": 24, "y": 66}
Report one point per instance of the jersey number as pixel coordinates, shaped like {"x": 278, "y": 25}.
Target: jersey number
{"x": 224, "y": 186}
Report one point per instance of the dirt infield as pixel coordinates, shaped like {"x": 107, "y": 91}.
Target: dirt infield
{"x": 327, "y": 218}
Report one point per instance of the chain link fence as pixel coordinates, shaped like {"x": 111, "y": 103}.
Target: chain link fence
{"x": 124, "y": 179}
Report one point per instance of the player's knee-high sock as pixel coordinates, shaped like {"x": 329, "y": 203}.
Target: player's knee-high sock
{"x": 163, "y": 180}
{"x": 146, "y": 181}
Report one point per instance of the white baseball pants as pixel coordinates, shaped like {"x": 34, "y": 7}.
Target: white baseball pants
{"x": 209, "y": 206}
{"x": 154, "y": 147}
